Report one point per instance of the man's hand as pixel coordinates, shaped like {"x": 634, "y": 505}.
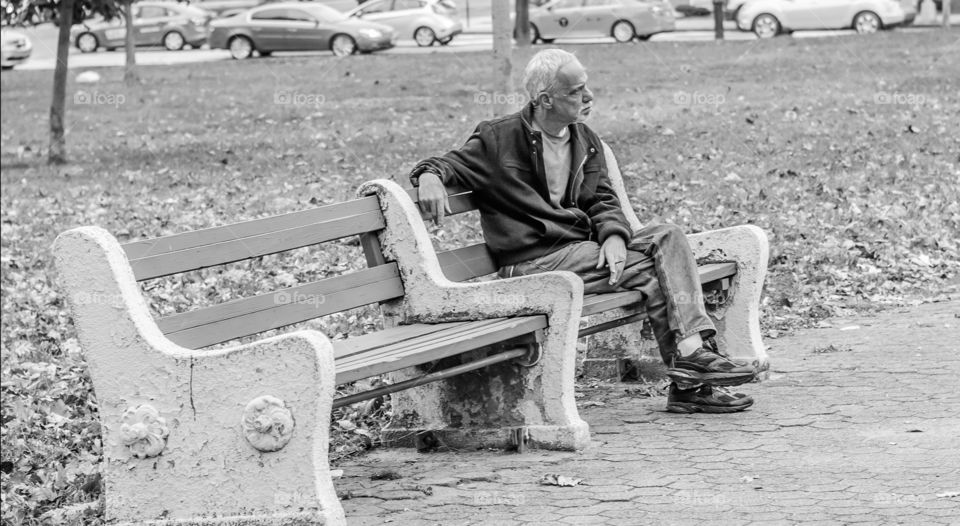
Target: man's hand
{"x": 613, "y": 254}
{"x": 433, "y": 197}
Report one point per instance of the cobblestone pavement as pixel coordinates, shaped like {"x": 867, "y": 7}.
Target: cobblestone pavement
{"x": 859, "y": 423}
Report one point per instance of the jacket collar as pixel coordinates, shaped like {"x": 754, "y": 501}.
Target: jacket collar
{"x": 577, "y": 138}
{"x": 581, "y": 149}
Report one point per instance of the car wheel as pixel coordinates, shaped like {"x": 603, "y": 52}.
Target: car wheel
{"x": 766, "y": 26}
{"x": 867, "y": 22}
{"x": 622, "y": 31}
{"x": 424, "y": 36}
{"x": 87, "y": 42}
{"x": 240, "y": 47}
{"x": 173, "y": 41}
{"x": 343, "y": 45}
{"x": 535, "y": 36}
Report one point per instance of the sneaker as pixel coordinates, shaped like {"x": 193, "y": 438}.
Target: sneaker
{"x": 706, "y": 399}
{"x": 705, "y": 366}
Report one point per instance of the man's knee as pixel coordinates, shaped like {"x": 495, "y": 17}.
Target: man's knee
{"x": 660, "y": 233}
{"x": 673, "y": 231}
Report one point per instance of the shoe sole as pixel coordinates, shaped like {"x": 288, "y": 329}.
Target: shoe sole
{"x": 687, "y": 377}
{"x": 689, "y": 407}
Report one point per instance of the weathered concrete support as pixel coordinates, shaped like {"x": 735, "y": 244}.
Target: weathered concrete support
{"x": 738, "y": 321}
{"x": 487, "y": 407}
{"x": 234, "y": 436}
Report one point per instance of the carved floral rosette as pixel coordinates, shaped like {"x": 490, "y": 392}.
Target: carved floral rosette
{"x": 267, "y": 423}
{"x": 143, "y": 431}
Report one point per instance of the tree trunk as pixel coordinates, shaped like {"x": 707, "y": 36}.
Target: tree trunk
{"x": 57, "y": 153}
{"x": 523, "y": 24}
{"x": 130, "y": 76}
{"x": 946, "y": 13}
{"x": 502, "y": 49}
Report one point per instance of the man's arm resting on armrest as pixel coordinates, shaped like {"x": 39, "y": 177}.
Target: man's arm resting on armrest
{"x": 433, "y": 196}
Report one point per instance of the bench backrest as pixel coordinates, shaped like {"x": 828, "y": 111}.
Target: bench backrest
{"x": 476, "y": 260}
{"x": 468, "y": 262}
{"x": 210, "y": 247}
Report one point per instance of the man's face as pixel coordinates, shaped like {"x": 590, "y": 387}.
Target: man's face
{"x": 572, "y": 100}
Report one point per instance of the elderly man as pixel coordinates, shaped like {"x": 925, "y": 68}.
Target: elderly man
{"x": 546, "y": 203}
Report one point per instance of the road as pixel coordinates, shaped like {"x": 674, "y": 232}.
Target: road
{"x": 478, "y": 38}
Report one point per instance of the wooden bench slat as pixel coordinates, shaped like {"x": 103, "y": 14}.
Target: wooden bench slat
{"x": 402, "y": 333}
{"x": 460, "y": 339}
{"x": 371, "y": 344}
{"x": 460, "y": 201}
{"x": 714, "y": 271}
{"x": 210, "y": 236}
{"x": 243, "y": 317}
{"x": 596, "y": 303}
{"x": 467, "y": 262}
{"x": 254, "y": 246}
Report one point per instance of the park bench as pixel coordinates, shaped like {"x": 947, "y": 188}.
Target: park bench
{"x": 241, "y": 432}
{"x": 733, "y": 267}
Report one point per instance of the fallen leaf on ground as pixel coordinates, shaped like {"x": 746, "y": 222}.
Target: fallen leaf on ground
{"x": 831, "y": 348}
{"x": 386, "y": 474}
{"x": 559, "y": 480}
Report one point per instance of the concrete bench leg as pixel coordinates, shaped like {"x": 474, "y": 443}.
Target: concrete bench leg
{"x": 738, "y": 321}
{"x": 738, "y": 324}
{"x": 235, "y": 436}
{"x": 491, "y": 406}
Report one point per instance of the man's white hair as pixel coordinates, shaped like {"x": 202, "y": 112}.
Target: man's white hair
{"x": 540, "y": 75}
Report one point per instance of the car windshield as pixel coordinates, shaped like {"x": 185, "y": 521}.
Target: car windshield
{"x": 324, "y": 13}
{"x": 190, "y": 10}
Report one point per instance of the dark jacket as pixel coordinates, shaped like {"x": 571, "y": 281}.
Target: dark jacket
{"x": 502, "y": 163}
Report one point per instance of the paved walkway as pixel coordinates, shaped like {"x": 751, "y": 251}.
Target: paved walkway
{"x": 858, "y": 423}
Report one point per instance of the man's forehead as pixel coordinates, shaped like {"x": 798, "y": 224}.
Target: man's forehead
{"x": 572, "y": 74}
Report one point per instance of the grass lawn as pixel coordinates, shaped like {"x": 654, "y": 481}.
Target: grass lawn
{"x": 845, "y": 150}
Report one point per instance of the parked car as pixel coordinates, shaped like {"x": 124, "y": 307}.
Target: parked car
{"x": 910, "y": 10}
{"x": 16, "y": 48}
{"x": 731, "y": 8}
{"x": 168, "y": 24}
{"x": 693, "y": 7}
{"x": 425, "y": 21}
{"x": 228, "y": 8}
{"x": 298, "y": 26}
{"x": 624, "y": 20}
{"x": 769, "y": 18}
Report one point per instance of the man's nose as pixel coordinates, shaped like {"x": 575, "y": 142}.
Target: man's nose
{"x": 587, "y": 95}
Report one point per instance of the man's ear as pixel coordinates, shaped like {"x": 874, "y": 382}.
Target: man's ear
{"x": 544, "y": 99}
